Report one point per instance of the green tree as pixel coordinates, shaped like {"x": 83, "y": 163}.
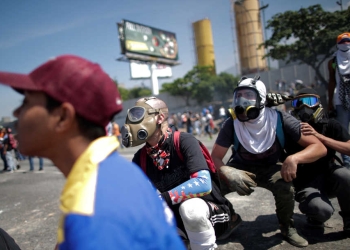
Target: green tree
{"x": 178, "y": 88}
{"x": 225, "y": 84}
{"x": 313, "y": 31}
{"x": 124, "y": 93}
{"x": 195, "y": 84}
{"x": 139, "y": 92}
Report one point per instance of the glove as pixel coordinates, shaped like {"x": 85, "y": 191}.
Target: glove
{"x": 238, "y": 180}
{"x": 275, "y": 99}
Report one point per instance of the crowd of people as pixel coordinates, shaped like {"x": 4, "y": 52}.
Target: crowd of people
{"x": 201, "y": 124}
{"x": 177, "y": 193}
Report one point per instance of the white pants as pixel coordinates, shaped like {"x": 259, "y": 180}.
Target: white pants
{"x": 11, "y": 160}
{"x": 195, "y": 216}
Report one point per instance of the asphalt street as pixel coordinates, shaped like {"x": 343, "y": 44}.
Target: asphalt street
{"x": 29, "y": 213}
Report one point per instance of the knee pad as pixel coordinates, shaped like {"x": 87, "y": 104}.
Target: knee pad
{"x": 195, "y": 215}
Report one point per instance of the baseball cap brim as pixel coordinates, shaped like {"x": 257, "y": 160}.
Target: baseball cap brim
{"x": 19, "y": 82}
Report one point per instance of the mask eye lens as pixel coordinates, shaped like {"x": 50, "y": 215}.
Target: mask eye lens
{"x": 136, "y": 114}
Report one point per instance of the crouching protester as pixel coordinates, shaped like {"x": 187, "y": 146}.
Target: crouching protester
{"x": 321, "y": 180}
{"x": 180, "y": 173}
{"x": 258, "y": 135}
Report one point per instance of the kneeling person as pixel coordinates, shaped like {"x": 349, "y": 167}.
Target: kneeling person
{"x": 319, "y": 181}
{"x": 186, "y": 185}
{"x": 254, "y": 132}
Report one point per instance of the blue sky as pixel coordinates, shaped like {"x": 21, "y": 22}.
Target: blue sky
{"x": 33, "y": 31}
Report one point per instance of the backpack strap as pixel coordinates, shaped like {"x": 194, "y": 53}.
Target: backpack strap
{"x": 279, "y": 133}
{"x": 279, "y": 129}
{"x": 143, "y": 159}
{"x": 334, "y": 62}
{"x": 176, "y": 140}
{"x": 235, "y": 140}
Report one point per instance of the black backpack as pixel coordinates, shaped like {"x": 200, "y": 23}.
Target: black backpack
{"x": 7, "y": 242}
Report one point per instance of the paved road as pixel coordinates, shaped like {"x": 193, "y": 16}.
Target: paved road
{"x": 29, "y": 212}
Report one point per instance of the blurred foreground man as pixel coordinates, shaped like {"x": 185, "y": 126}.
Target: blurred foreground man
{"x": 68, "y": 101}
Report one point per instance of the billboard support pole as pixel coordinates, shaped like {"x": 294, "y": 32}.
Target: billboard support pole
{"x": 154, "y": 79}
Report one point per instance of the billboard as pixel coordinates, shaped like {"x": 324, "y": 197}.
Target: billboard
{"x": 141, "y": 70}
{"x": 148, "y": 41}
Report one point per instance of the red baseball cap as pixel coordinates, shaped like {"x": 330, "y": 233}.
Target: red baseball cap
{"x": 72, "y": 79}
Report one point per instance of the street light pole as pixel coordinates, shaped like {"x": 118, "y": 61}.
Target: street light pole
{"x": 340, "y": 3}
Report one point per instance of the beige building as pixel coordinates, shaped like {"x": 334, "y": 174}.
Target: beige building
{"x": 249, "y": 35}
{"x": 204, "y": 43}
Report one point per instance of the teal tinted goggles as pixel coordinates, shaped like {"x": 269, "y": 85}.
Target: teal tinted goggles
{"x": 309, "y": 101}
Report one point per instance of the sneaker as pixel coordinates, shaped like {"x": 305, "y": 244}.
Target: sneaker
{"x": 314, "y": 223}
{"x": 232, "y": 227}
{"x": 291, "y": 235}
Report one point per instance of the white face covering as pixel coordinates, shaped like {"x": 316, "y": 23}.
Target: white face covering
{"x": 343, "y": 58}
{"x": 343, "y": 47}
{"x": 257, "y": 135}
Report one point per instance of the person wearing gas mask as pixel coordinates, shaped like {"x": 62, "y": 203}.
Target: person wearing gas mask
{"x": 202, "y": 214}
{"x": 321, "y": 180}
{"x": 258, "y": 135}
{"x": 339, "y": 84}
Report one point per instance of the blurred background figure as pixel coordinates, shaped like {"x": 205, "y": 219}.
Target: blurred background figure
{"x": 31, "y": 163}
{"x": 116, "y": 132}
{"x": 222, "y": 113}
{"x": 2, "y": 154}
{"x": 9, "y": 150}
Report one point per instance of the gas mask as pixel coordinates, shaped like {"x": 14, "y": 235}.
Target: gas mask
{"x": 140, "y": 122}
{"x": 246, "y": 102}
{"x": 307, "y": 108}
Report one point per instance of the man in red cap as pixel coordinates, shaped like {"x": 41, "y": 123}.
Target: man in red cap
{"x": 339, "y": 84}
{"x": 68, "y": 101}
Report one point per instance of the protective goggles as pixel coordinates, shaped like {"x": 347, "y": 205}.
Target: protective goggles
{"x": 245, "y": 97}
{"x": 137, "y": 113}
{"x": 309, "y": 101}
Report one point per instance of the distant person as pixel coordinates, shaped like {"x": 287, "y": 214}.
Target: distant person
{"x": 10, "y": 145}
{"x": 31, "y": 163}
{"x": 209, "y": 123}
{"x": 2, "y": 154}
{"x": 222, "y": 113}
{"x": 339, "y": 84}
{"x": 107, "y": 202}
{"x": 116, "y": 132}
